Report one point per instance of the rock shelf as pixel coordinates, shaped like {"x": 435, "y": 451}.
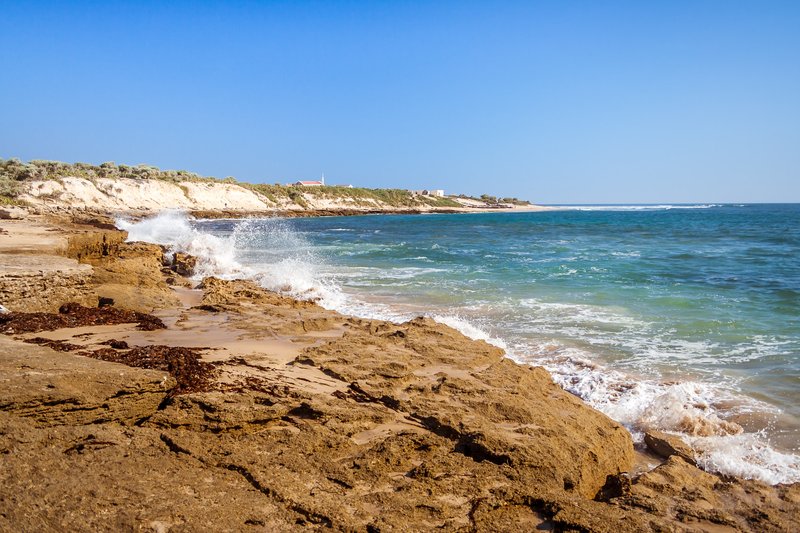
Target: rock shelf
{"x": 232, "y": 408}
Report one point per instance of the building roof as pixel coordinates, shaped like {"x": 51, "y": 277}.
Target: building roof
{"x": 310, "y": 182}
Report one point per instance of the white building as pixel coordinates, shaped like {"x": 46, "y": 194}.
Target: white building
{"x": 429, "y": 192}
{"x": 312, "y": 183}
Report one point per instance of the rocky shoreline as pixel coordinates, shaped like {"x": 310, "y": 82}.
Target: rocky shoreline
{"x": 228, "y": 407}
{"x": 331, "y": 212}
{"x": 87, "y": 214}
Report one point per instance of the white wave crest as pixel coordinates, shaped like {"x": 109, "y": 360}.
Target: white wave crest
{"x": 280, "y": 258}
{"x": 264, "y": 250}
{"x": 216, "y": 256}
{"x": 701, "y": 413}
{"x": 469, "y": 329}
{"x": 747, "y": 455}
{"x": 643, "y": 207}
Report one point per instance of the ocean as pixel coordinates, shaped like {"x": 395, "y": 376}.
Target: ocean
{"x": 681, "y": 318}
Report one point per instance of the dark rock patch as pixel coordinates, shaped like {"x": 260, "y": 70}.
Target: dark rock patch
{"x": 184, "y": 364}
{"x": 117, "y": 345}
{"x": 184, "y": 264}
{"x": 73, "y": 315}
{"x": 59, "y": 346}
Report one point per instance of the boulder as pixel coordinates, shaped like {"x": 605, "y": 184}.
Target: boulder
{"x": 184, "y": 264}
{"x": 665, "y": 445}
{"x": 13, "y": 213}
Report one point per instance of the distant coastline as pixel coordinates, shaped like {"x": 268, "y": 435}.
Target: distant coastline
{"x": 51, "y": 186}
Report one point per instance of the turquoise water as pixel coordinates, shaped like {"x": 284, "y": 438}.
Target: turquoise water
{"x": 685, "y": 319}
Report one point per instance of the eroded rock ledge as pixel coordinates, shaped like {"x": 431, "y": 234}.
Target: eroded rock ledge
{"x": 306, "y": 419}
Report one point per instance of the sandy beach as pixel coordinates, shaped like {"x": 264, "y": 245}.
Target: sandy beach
{"x": 224, "y": 406}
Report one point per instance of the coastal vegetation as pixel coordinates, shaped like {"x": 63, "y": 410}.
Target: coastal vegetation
{"x": 360, "y": 196}
{"x": 13, "y": 173}
{"x": 37, "y": 169}
{"x": 494, "y": 200}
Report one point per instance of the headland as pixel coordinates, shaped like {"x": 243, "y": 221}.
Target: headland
{"x": 55, "y": 187}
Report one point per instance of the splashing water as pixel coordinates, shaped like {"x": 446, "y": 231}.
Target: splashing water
{"x": 647, "y": 314}
{"x": 264, "y": 250}
{"x": 215, "y": 255}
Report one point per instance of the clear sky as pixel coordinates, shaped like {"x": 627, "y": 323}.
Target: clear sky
{"x": 556, "y": 102}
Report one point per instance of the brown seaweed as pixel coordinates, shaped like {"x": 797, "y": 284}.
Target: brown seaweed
{"x": 73, "y": 315}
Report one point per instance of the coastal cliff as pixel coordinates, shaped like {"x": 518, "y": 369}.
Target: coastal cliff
{"x": 52, "y": 186}
{"x": 229, "y": 407}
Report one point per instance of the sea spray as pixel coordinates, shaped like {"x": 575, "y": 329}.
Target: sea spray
{"x": 216, "y": 256}
{"x": 265, "y": 250}
{"x": 283, "y": 260}
{"x": 521, "y": 284}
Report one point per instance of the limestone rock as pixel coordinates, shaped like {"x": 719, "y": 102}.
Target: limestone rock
{"x": 233, "y": 293}
{"x": 679, "y": 491}
{"x": 38, "y": 282}
{"x": 51, "y": 388}
{"x": 133, "y": 278}
{"x": 94, "y": 243}
{"x": 107, "y": 477}
{"x": 13, "y": 213}
{"x": 184, "y": 264}
{"x": 666, "y": 445}
{"x": 490, "y": 408}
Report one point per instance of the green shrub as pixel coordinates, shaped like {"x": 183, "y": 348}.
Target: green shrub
{"x": 41, "y": 170}
{"x": 9, "y": 189}
{"x": 14, "y": 171}
{"x": 515, "y": 201}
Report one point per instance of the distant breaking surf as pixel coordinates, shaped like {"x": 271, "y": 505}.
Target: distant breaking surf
{"x": 641, "y": 207}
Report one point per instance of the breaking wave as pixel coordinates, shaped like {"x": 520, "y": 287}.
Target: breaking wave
{"x": 267, "y": 251}
{"x": 709, "y": 416}
{"x": 643, "y": 207}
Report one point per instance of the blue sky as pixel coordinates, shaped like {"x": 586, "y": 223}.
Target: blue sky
{"x": 556, "y": 102}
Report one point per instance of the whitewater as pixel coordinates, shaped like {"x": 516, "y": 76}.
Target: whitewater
{"x": 676, "y": 318}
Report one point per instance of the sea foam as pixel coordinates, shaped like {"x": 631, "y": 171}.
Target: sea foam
{"x": 643, "y": 207}
{"x": 216, "y": 256}
{"x": 278, "y": 257}
{"x": 264, "y": 250}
